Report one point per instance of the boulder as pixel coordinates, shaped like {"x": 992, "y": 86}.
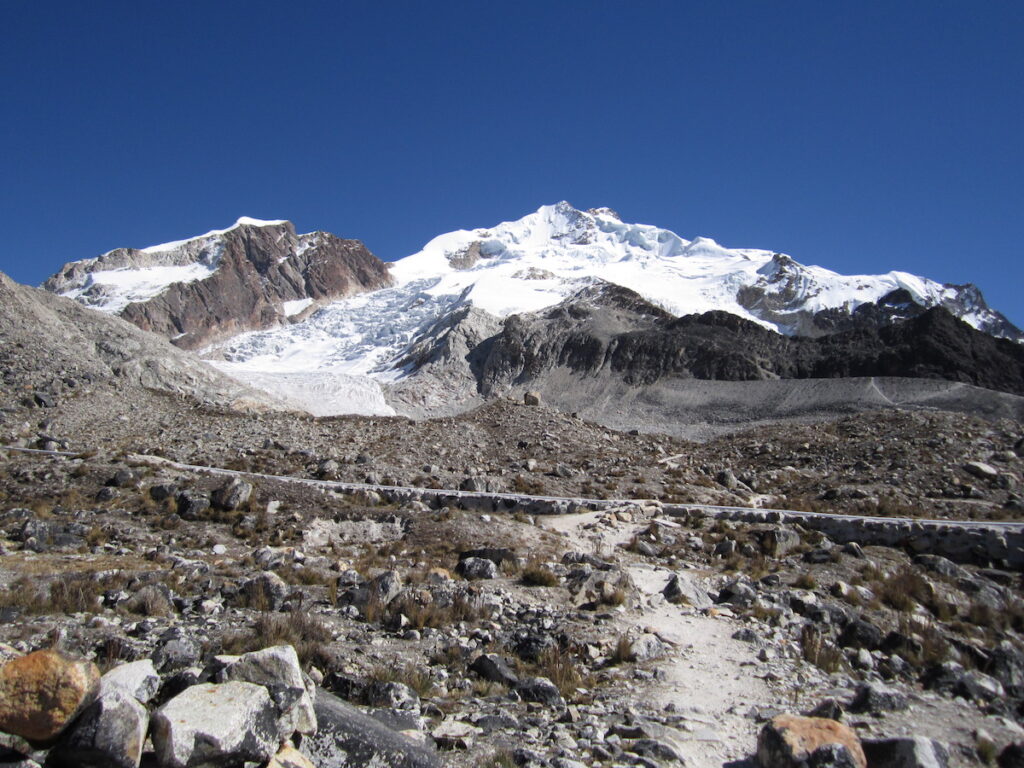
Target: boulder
{"x": 492, "y": 667}
{"x": 780, "y": 541}
{"x": 266, "y": 592}
{"x": 455, "y": 734}
{"x": 792, "y": 741}
{"x": 385, "y": 587}
{"x": 531, "y": 398}
{"x": 191, "y": 505}
{"x": 212, "y": 724}
{"x": 540, "y": 690}
{"x": 646, "y": 647}
{"x": 277, "y": 669}
{"x": 497, "y": 555}
{"x": 860, "y": 634}
{"x": 138, "y": 679}
{"x": 41, "y": 693}
{"x": 396, "y": 696}
{"x": 108, "y": 734}
{"x": 981, "y": 470}
{"x": 908, "y": 752}
{"x": 477, "y": 568}
{"x": 348, "y": 737}
{"x": 232, "y": 495}
{"x": 681, "y": 591}
{"x": 874, "y": 697}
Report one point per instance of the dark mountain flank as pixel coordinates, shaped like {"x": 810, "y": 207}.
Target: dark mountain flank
{"x": 611, "y": 330}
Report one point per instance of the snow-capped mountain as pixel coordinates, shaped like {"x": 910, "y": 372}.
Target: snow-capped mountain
{"x": 458, "y": 290}
{"x": 254, "y": 274}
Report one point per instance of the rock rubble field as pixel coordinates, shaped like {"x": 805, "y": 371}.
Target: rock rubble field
{"x": 155, "y": 615}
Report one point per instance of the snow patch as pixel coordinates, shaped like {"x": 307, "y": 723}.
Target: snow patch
{"x": 295, "y": 307}
{"x": 113, "y": 290}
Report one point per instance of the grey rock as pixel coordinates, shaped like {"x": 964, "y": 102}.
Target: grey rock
{"x": 267, "y": 592}
{"x": 979, "y": 687}
{"x": 780, "y": 541}
{"x": 681, "y": 590}
{"x": 981, "y": 470}
{"x": 492, "y": 667}
{"x": 385, "y": 587}
{"x": 138, "y": 679}
{"x": 232, "y": 496}
{"x": 497, "y": 555}
{"x": 874, "y": 697}
{"x": 910, "y": 752}
{"x": 216, "y": 725}
{"x": 646, "y": 647}
{"x": 348, "y": 737}
{"x": 176, "y": 653}
{"x": 860, "y": 634}
{"x": 108, "y": 734}
{"x": 477, "y": 568}
{"x": 191, "y": 505}
{"x": 541, "y": 690}
{"x": 277, "y": 669}
{"x": 163, "y": 491}
{"x": 737, "y": 592}
{"x": 656, "y": 750}
{"x": 531, "y": 398}
{"x": 393, "y": 696}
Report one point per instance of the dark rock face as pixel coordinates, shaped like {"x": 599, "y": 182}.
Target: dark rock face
{"x": 607, "y": 329}
{"x": 257, "y": 269}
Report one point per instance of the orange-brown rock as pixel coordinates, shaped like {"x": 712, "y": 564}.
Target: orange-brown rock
{"x": 41, "y": 693}
{"x": 791, "y": 741}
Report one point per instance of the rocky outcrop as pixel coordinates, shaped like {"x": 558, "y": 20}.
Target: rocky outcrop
{"x": 254, "y": 271}
{"x": 610, "y": 331}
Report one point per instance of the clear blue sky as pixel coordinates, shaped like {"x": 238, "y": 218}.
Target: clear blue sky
{"x": 862, "y": 136}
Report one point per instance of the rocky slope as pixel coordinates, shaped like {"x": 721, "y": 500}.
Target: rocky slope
{"x": 54, "y": 349}
{"x": 610, "y": 330}
{"x": 253, "y": 275}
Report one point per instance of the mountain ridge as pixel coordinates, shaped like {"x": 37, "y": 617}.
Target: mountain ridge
{"x": 419, "y": 333}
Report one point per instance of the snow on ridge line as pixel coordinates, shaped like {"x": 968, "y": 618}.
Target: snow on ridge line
{"x": 246, "y": 221}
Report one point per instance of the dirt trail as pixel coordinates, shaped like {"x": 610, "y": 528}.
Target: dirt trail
{"x": 710, "y": 680}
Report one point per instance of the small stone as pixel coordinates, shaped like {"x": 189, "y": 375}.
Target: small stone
{"x": 289, "y": 757}
{"x": 41, "y": 693}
